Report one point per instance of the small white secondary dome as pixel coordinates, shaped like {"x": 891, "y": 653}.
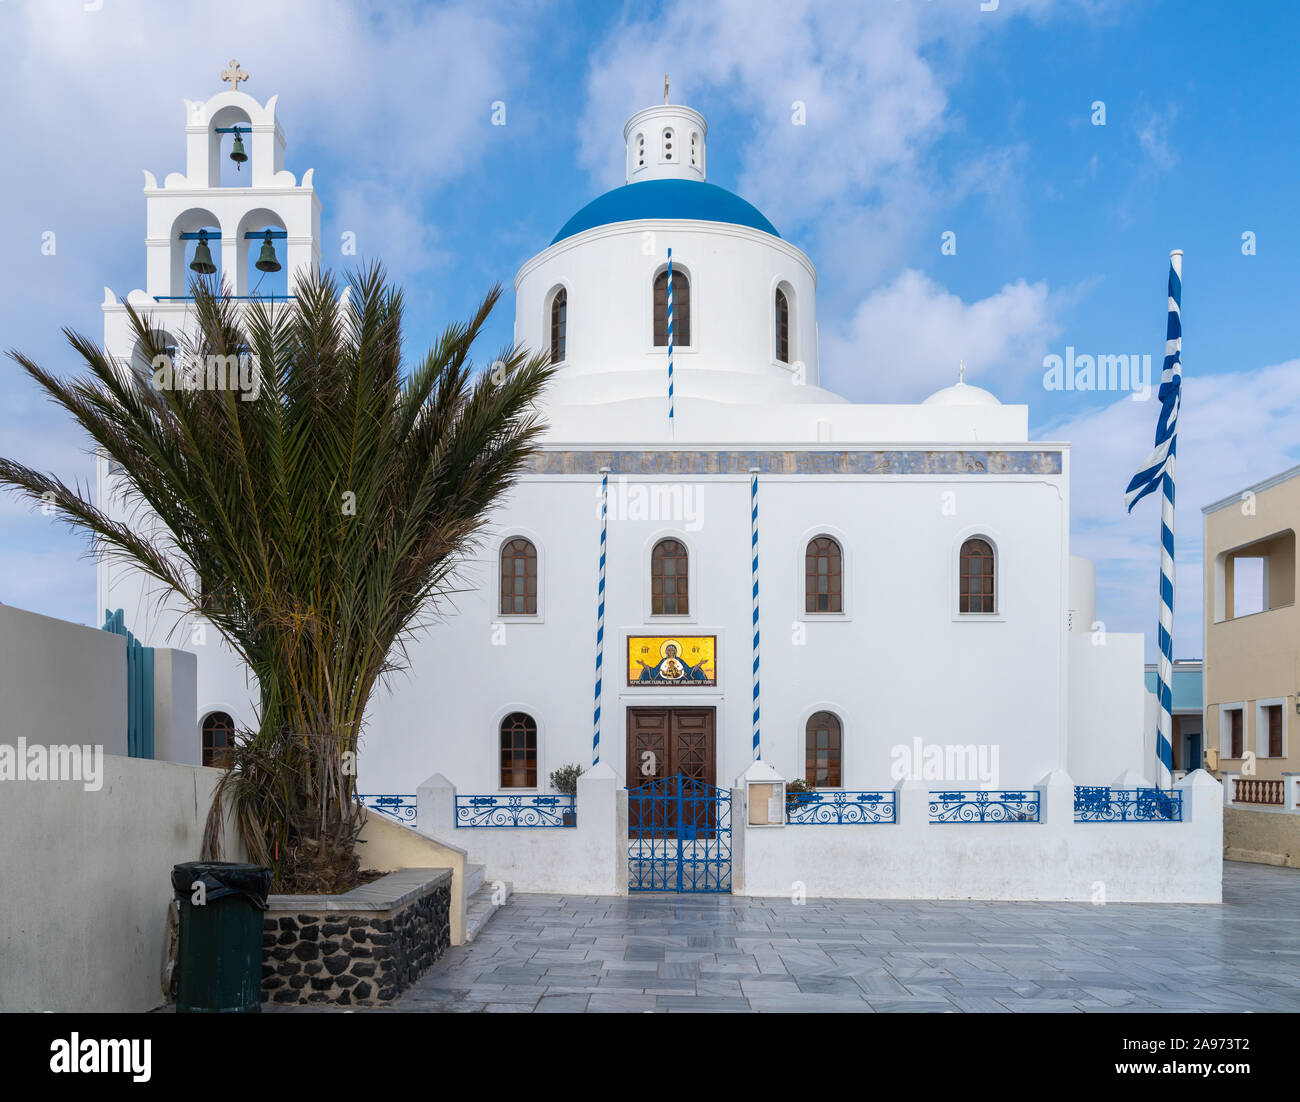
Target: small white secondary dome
{"x": 961, "y": 394}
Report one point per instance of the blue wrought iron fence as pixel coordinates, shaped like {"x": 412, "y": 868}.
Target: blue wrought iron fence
{"x": 402, "y": 808}
{"x": 516, "y": 811}
{"x": 139, "y": 688}
{"x": 840, "y": 808}
{"x": 981, "y": 806}
{"x": 1100, "y": 804}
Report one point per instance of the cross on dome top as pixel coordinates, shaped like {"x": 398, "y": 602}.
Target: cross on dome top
{"x": 234, "y": 74}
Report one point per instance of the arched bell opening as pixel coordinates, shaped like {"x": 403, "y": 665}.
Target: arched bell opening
{"x": 230, "y": 148}
{"x": 262, "y": 252}
{"x": 196, "y": 250}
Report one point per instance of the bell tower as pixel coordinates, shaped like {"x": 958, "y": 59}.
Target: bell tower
{"x": 209, "y": 222}
{"x": 665, "y": 142}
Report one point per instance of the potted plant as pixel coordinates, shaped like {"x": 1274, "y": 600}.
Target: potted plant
{"x": 793, "y": 790}
{"x": 565, "y": 781}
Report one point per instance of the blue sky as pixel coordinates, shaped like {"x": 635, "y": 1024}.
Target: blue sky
{"x": 922, "y": 116}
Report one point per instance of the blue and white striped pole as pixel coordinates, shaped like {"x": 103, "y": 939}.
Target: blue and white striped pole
{"x": 753, "y": 575}
{"x": 600, "y": 615}
{"x": 671, "y": 423}
{"x": 1173, "y": 356}
{"x": 1158, "y": 471}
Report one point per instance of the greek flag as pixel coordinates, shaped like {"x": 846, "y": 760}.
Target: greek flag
{"x": 1158, "y": 471}
{"x": 1161, "y": 459}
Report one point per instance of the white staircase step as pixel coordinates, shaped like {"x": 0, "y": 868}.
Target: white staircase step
{"x": 482, "y": 905}
{"x": 474, "y": 878}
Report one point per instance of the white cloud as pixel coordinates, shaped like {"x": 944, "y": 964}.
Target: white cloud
{"x": 1153, "y": 136}
{"x": 906, "y": 339}
{"x": 1232, "y": 432}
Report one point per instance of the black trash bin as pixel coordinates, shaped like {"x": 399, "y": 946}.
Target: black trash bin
{"x": 219, "y": 957}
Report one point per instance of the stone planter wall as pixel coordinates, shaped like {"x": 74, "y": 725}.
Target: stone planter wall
{"x": 357, "y": 949}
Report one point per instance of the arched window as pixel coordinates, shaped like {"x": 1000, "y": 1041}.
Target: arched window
{"x": 681, "y": 309}
{"x": 823, "y": 576}
{"x": 518, "y": 751}
{"x": 822, "y": 747}
{"x": 640, "y": 151}
{"x": 782, "y": 327}
{"x": 977, "y": 577}
{"x": 668, "y": 582}
{"x": 695, "y": 149}
{"x": 519, "y": 578}
{"x": 668, "y": 143}
{"x": 218, "y": 739}
{"x": 559, "y": 325}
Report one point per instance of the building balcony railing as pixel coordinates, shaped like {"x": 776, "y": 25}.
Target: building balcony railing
{"x": 1100, "y": 804}
{"x": 401, "y": 808}
{"x": 524, "y": 810}
{"x": 1252, "y": 790}
{"x": 985, "y": 806}
{"x": 840, "y": 808}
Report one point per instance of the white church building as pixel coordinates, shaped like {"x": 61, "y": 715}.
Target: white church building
{"x": 876, "y": 599}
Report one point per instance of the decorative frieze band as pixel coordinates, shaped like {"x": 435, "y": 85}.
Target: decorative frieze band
{"x": 919, "y": 462}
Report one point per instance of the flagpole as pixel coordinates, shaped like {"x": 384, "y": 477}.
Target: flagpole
{"x": 1164, "y": 739}
{"x": 753, "y": 577}
{"x": 672, "y": 427}
{"x": 600, "y": 615}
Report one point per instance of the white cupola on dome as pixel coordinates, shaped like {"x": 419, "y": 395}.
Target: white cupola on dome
{"x": 961, "y": 393}
{"x": 665, "y": 143}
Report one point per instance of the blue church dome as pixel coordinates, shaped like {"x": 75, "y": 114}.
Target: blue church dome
{"x": 691, "y": 199}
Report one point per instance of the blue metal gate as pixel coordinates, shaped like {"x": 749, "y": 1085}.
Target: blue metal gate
{"x": 139, "y": 688}
{"x": 679, "y": 836}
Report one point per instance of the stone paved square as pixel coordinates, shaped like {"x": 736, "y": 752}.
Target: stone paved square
{"x": 724, "y": 954}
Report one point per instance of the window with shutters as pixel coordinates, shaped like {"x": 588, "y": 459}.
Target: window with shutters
{"x": 518, "y": 739}
{"x": 977, "y": 578}
{"x": 823, "y": 739}
{"x": 559, "y": 326}
{"x": 518, "y": 578}
{"x": 669, "y": 585}
{"x": 681, "y": 309}
{"x": 823, "y": 576}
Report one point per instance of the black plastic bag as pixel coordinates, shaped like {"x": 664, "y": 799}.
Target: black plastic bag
{"x": 222, "y": 879}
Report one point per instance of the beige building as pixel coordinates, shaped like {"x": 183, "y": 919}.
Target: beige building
{"x": 1252, "y": 636}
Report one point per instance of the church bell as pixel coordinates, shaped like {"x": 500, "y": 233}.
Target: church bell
{"x": 237, "y": 153}
{"x": 266, "y": 259}
{"x": 202, "y": 262}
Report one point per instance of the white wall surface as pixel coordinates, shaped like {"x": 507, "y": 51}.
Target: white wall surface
{"x": 86, "y": 883}
{"x": 61, "y": 683}
{"x": 588, "y": 859}
{"x": 899, "y": 664}
{"x": 1107, "y": 707}
{"x": 1053, "y": 859}
{"x": 176, "y": 734}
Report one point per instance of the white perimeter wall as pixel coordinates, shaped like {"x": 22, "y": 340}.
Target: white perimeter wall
{"x": 86, "y": 883}
{"x": 588, "y": 859}
{"x": 61, "y": 683}
{"x": 1054, "y": 859}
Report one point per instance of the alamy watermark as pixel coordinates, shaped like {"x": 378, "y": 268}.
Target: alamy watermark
{"x": 53, "y": 763}
{"x": 237, "y": 373}
{"x": 944, "y": 762}
{"x": 1080, "y": 371}
{"x": 678, "y": 502}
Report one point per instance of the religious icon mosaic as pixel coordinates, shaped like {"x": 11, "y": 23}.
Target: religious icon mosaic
{"x": 660, "y": 660}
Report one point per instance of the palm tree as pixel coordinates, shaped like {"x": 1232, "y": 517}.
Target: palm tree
{"x": 315, "y": 520}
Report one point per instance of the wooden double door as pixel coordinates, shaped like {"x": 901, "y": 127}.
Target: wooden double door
{"x": 663, "y": 742}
